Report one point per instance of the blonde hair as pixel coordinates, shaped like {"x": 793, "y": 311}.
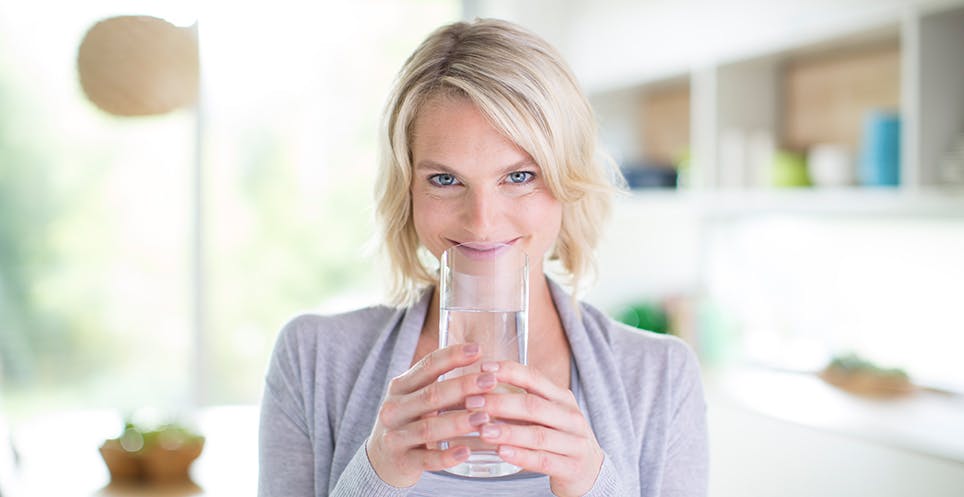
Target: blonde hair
{"x": 523, "y": 87}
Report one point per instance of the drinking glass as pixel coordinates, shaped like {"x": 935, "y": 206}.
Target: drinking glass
{"x": 484, "y": 299}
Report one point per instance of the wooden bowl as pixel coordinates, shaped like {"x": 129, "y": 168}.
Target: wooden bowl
{"x": 154, "y": 465}
{"x": 163, "y": 465}
{"x": 122, "y": 465}
{"x": 868, "y": 384}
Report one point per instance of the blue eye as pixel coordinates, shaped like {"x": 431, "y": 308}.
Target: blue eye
{"x": 442, "y": 179}
{"x": 520, "y": 177}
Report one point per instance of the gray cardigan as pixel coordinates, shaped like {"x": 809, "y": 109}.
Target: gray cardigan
{"x": 640, "y": 391}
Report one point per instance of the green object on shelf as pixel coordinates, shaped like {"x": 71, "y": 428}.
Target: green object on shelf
{"x": 645, "y": 316}
{"x": 683, "y": 169}
{"x": 789, "y": 170}
{"x": 853, "y": 363}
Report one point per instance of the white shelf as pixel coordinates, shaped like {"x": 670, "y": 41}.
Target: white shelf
{"x": 734, "y": 74}
{"x": 715, "y": 204}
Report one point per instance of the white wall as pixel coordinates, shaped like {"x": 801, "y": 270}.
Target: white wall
{"x": 611, "y": 43}
{"x": 649, "y": 251}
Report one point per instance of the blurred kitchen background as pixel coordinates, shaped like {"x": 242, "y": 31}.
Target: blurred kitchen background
{"x": 797, "y": 215}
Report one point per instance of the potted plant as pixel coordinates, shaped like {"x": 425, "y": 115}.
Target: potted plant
{"x": 158, "y": 455}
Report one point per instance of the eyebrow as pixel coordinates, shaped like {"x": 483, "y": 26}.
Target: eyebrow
{"x": 437, "y": 166}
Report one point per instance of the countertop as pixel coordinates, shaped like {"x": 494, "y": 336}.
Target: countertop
{"x": 926, "y": 422}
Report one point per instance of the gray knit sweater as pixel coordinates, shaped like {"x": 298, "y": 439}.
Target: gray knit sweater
{"x": 640, "y": 391}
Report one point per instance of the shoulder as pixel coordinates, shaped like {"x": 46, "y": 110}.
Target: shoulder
{"x": 315, "y": 348}
{"x": 308, "y": 341}
{"x": 342, "y": 325}
{"x": 316, "y": 360}
{"x": 313, "y": 333}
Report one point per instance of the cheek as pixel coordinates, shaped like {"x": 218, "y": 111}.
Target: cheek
{"x": 421, "y": 212}
{"x": 554, "y": 222}
{"x": 545, "y": 217}
{"x": 427, "y": 218}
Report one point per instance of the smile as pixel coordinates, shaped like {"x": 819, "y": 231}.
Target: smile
{"x": 484, "y": 250}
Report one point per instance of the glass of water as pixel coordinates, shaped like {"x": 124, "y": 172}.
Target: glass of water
{"x": 484, "y": 299}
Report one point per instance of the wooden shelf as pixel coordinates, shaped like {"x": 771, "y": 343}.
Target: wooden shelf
{"x": 826, "y": 95}
{"x": 815, "y": 85}
{"x": 648, "y": 123}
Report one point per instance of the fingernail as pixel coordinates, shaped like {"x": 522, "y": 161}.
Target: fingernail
{"x": 474, "y": 402}
{"x": 506, "y": 451}
{"x": 461, "y": 453}
{"x": 490, "y": 366}
{"x": 470, "y": 349}
{"x": 478, "y": 418}
{"x": 490, "y": 431}
{"x": 487, "y": 380}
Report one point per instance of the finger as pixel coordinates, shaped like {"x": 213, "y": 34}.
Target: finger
{"x": 428, "y": 415}
{"x": 539, "y": 461}
{"x": 535, "y": 437}
{"x": 435, "y": 396}
{"x": 436, "y": 460}
{"x": 433, "y": 365}
{"x": 532, "y": 408}
{"x": 430, "y": 430}
{"x": 530, "y": 380}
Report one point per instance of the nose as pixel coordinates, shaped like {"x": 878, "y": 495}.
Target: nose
{"x": 480, "y": 211}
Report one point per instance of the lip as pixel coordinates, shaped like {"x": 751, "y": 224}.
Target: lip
{"x": 482, "y": 250}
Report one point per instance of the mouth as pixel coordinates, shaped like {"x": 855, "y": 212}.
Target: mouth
{"x": 482, "y": 250}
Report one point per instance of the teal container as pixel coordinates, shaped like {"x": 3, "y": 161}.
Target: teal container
{"x": 880, "y": 149}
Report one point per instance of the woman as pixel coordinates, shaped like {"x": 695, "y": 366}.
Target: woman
{"x": 487, "y": 139}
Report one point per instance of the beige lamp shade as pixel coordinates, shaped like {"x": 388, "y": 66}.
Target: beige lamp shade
{"x": 139, "y": 66}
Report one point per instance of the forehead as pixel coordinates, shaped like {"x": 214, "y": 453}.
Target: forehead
{"x": 452, "y": 131}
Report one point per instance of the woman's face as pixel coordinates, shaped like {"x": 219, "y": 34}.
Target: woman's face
{"x": 473, "y": 185}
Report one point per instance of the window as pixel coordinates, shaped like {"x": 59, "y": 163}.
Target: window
{"x": 96, "y": 211}
{"x": 801, "y": 289}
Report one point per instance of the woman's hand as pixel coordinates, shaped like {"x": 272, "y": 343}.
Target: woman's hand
{"x": 408, "y": 424}
{"x": 558, "y": 440}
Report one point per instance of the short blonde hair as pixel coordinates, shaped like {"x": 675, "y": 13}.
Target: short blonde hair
{"x": 523, "y": 87}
